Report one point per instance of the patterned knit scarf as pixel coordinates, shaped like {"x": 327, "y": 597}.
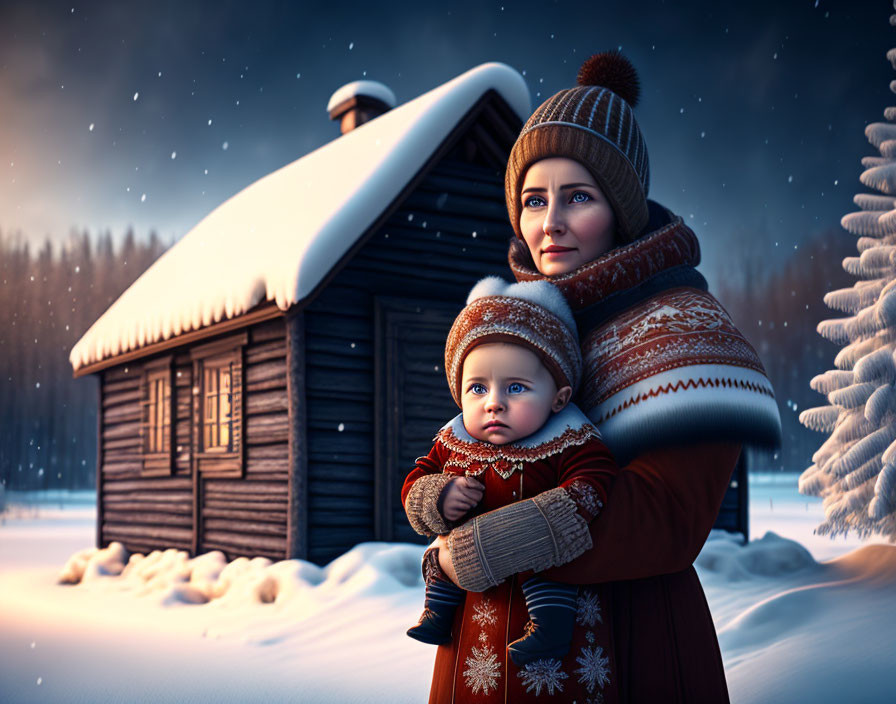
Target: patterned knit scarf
{"x": 663, "y": 361}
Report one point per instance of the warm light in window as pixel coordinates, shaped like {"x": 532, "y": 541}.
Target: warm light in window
{"x": 158, "y": 417}
{"x": 218, "y": 419}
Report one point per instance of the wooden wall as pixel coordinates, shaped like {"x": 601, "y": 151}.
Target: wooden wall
{"x": 142, "y": 513}
{"x": 450, "y": 232}
{"x": 240, "y": 515}
{"x": 247, "y": 516}
{"x": 733, "y": 514}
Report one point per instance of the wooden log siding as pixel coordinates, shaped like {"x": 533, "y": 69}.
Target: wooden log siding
{"x": 424, "y": 251}
{"x": 247, "y": 515}
{"x": 733, "y": 515}
{"x": 297, "y": 480}
{"x": 183, "y": 393}
{"x": 140, "y": 512}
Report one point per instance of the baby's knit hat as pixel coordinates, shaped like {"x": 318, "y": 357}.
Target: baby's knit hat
{"x": 533, "y": 314}
{"x": 594, "y": 124}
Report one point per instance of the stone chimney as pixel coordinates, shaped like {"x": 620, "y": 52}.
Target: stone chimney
{"x": 358, "y": 102}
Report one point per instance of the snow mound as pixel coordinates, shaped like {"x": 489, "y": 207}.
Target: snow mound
{"x": 375, "y": 568}
{"x": 771, "y": 556}
{"x": 874, "y": 565}
{"x": 90, "y": 564}
{"x": 171, "y": 577}
{"x": 803, "y": 610}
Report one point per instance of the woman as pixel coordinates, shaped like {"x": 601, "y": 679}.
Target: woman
{"x": 675, "y": 391}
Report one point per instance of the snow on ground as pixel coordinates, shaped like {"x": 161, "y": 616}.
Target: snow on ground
{"x": 800, "y": 617}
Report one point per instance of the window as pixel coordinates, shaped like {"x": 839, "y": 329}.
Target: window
{"x": 217, "y": 402}
{"x": 156, "y": 417}
{"x": 218, "y": 406}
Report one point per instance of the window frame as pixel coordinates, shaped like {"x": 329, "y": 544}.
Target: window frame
{"x": 157, "y": 462}
{"x": 217, "y": 462}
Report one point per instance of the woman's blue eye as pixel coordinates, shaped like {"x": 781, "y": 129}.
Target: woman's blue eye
{"x": 478, "y": 389}
{"x": 533, "y": 202}
{"x": 580, "y": 197}
{"x": 516, "y": 388}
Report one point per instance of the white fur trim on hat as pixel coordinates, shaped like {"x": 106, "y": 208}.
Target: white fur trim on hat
{"x": 542, "y": 293}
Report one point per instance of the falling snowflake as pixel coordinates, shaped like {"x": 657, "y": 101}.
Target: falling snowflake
{"x": 543, "y": 674}
{"x": 484, "y": 614}
{"x": 595, "y": 668}
{"x": 483, "y": 670}
{"x": 588, "y": 612}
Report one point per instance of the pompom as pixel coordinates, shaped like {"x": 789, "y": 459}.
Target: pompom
{"x": 489, "y": 286}
{"x": 542, "y": 293}
{"x": 612, "y": 70}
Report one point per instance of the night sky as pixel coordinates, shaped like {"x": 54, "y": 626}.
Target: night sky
{"x": 151, "y": 114}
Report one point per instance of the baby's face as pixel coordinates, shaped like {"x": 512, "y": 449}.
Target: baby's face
{"x": 507, "y": 393}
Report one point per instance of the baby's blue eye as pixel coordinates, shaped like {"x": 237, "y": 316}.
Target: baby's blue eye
{"x": 580, "y": 197}
{"x": 533, "y": 202}
{"x": 516, "y": 388}
{"x": 478, "y": 389}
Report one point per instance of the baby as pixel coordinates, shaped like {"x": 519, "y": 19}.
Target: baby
{"x": 513, "y": 362}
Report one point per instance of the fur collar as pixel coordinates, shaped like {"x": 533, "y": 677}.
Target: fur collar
{"x": 568, "y": 428}
{"x": 672, "y": 247}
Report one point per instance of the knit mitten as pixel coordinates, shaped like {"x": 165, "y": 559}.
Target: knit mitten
{"x": 442, "y": 598}
{"x": 552, "y": 616}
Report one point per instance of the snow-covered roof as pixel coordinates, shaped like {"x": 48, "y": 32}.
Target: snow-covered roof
{"x": 374, "y": 89}
{"x": 276, "y": 239}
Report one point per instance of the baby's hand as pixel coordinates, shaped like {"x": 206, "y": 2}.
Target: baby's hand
{"x": 461, "y": 494}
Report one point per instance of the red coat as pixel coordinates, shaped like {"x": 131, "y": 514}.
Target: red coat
{"x": 475, "y": 666}
{"x": 656, "y": 631}
{"x": 675, "y": 390}
{"x": 661, "y": 643}
{"x": 662, "y": 507}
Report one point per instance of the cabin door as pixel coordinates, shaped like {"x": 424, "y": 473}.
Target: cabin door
{"x": 412, "y": 399}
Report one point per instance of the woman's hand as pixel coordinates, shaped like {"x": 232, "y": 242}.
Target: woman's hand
{"x": 441, "y": 542}
{"x": 460, "y": 495}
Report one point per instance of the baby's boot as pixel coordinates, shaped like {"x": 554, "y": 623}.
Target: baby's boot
{"x": 442, "y": 598}
{"x": 552, "y": 616}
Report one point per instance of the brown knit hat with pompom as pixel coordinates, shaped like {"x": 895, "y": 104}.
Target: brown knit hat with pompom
{"x": 532, "y": 314}
{"x": 594, "y": 124}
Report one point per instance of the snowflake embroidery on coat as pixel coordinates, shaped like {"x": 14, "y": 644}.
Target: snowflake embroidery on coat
{"x": 589, "y": 636}
{"x": 483, "y": 670}
{"x": 543, "y": 674}
{"x": 595, "y": 668}
{"x": 484, "y": 613}
{"x": 588, "y": 611}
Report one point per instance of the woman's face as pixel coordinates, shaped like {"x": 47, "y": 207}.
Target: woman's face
{"x": 566, "y": 221}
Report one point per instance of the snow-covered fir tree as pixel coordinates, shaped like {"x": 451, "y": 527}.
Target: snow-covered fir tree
{"x": 854, "y": 470}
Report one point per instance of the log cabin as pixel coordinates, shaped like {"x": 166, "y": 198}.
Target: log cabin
{"x": 267, "y": 383}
